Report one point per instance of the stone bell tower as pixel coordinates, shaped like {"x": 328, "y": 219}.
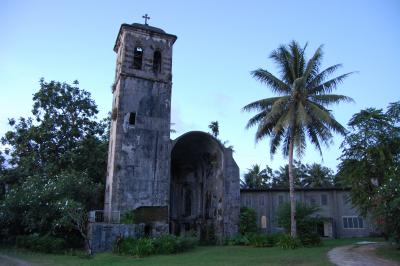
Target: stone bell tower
{"x": 138, "y": 171}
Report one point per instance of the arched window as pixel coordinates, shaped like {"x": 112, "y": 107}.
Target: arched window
{"x": 137, "y": 58}
{"x": 157, "y": 62}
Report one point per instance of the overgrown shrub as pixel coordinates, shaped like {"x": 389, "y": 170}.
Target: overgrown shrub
{"x": 310, "y": 239}
{"x": 141, "y": 247}
{"x": 166, "y": 244}
{"x": 258, "y": 240}
{"x": 186, "y": 243}
{"x": 263, "y": 240}
{"x": 124, "y": 245}
{"x": 254, "y": 239}
{"x": 144, "y": 247}
{"x": 247, "y": 222}
{"x": 238, "y": 240}
{"x": 46, "y": 243}
{"x": 273, "y": 239}
{"x": 128, "y": 218}
{"x": 288, "y": 242}
{"x": 306, "y": 223}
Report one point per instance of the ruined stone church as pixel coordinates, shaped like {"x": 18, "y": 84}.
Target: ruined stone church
{"x": 171, "y": 186}
{"x": 191, "y": 183}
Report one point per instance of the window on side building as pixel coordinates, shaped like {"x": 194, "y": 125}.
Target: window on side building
{"x": 324, "y": 199}
{"x": 280, "y": 199}
{"x": 353, "y": 222}
{"x": 262, "y": 200}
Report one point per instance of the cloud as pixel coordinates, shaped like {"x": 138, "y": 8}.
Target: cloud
{"x": 220, "y": 102}
{"x": 178, "y": 124}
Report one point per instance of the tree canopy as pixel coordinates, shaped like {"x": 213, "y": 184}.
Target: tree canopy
{"x": 307, "y": 176}
{"x": 370, "y": 164}
{"x": 58, "y": 154}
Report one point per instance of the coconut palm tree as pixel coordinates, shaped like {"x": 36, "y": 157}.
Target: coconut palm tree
{"x": 300, "y": 109}
{"x": 256, "y": 178}
{"x": 214, "y": 126}
{"x": 318, "y": 176}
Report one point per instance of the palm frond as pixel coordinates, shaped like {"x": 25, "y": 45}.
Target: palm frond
{"x": 256, "y": 119}
{"x": 284, "y": 120}
{"x": 322, "y": 115}
{"x": 314, "y": 138}
{"x": 277, "y": 109}
{"x": 302, "y": 117}
{"x": 302, "y": 60}
{"x": 329, "y": 85}
{"x": 300, "y": 141}
{"x": 337, "y": 127}
{"x": 320, "y": 77}
{"x": 297, "y": 55}
{"x": 327, "y": 99}
{"x": 313, "y": 64}
{"x": 318, "y": 112}
{"x": 282, "y": 57}
{"x": 273, "y": 82}
{"x": 276, "y": 139}
{"x": 286, "y": 141}
{"x": 263, "y": 104}
{"x": 264, "y": 129}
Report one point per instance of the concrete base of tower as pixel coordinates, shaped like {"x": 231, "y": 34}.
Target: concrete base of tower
{"x": 102, "y": 236}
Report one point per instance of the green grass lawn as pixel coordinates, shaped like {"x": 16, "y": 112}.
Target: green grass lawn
{"x": 219, "y": 255}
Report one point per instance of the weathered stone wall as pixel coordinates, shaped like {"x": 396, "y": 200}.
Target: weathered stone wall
{"x": 231, "y": 194}
{"x": 102, "y": 236}
{"x": 204, "y": 186}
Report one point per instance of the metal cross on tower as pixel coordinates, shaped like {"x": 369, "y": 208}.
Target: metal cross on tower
{"x": 146, "y": 17}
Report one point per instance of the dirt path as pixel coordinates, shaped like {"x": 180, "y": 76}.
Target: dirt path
{"x": 358, "y": 255}
{"x": 9, "y": 261}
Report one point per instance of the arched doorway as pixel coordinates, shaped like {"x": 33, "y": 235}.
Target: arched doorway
{"x": 197, "y": 185}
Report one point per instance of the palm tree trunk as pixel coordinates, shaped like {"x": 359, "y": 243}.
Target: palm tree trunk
{"x": 293, "y": 228}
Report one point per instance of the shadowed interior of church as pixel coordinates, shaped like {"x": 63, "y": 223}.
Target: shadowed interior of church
{"x": 196, "y": 193}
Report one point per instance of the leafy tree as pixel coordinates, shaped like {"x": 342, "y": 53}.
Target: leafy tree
{"x": 2, "y": 181}
{"x": 281, "y": 176}
{"x": 318, "y": 176}
{"x": 59, "y": 153}
{"x": 75, "y": 215}
{"x": 214, "y": 126}
{"x": 255, "y": 178}
{"x": 371, "y": 158}
{"x": 387, "y": 207}
{"x": 300, "y": 110}
{"x": 247, "y": 221}
{"x": 306, "y": 222}
{"x": 57, "y": 138}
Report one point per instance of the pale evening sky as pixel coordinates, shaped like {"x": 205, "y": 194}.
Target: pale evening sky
{"x": 219, "y": 43}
